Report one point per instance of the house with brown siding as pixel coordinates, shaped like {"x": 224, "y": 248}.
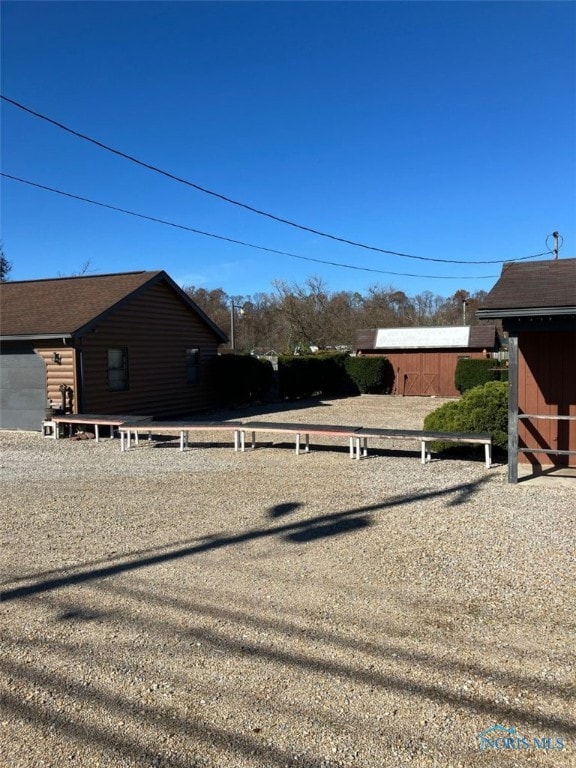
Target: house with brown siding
{"x": 424, "y": 359}
{"x": 537, "y": 305}
{"x": 128, "y": 343}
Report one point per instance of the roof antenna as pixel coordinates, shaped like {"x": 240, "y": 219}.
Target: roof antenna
{"x": 557, "y": 245}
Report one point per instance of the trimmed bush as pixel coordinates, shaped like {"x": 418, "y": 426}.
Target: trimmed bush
{"x": 299, "y": 376}
{"x": 333, "y": 374}
{"x": 473, "y": 373}
{"x": 482, "y": 409}
{"x": 370, "y": 375}
{"x": 241, "y": 379}
{"x": 309, "y": 375}
{"x": 332, "y": 378}
{"x": 443, "y": 419}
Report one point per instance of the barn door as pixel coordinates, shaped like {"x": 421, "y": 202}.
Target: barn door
{"x": 413, "y": 383}
{"x": 430, "y": 383}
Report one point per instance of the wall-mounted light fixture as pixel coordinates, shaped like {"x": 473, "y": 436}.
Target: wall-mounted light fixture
{"x": 56, "y": 358}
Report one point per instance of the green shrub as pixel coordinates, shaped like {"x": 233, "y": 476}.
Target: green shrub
{"x": 482, "y": 409}
{"x": 309, "y": 375}
{"x": 333, "y": 374}
{"x": 332, "y": 378}
{"x": 241, "y": 379}
{"x": 443, "y": 419}
{"x": 370, "y": 375}
{"x": 299, "y": 376}
{"x": 473, "y": 373}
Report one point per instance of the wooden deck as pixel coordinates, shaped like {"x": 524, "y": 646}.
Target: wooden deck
{"x": 96, "y": 420}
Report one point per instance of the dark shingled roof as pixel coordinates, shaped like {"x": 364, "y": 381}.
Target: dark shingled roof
{"x": 67, "y": 305}
{"x": 532, "y": 286}
{"x": 483, "y": 337}
{"x": 366, "y": 338}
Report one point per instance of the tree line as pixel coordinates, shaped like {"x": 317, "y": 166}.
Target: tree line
{"x": 297, "y": 317}
{"x": 300, "y": 317}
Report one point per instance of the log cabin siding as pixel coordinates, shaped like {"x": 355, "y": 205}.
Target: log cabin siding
{"x": 58, "y": 373}
{"x": 547, "y": 387}
{"x": 156, "y": 327}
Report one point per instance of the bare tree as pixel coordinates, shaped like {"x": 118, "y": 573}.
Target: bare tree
{"x": 311, "y": 314}
{"x": 300, "y": 316}
{"x": 84, "y": 269}
{"x": 215, "y": 303}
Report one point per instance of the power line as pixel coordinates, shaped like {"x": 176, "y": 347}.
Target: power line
{"x": 232, "y": 240}
{"x": 250, "y": 207}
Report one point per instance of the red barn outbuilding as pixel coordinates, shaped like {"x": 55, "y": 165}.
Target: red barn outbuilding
{"x": 537, "y": 305}
{"x": 424, "y": 359}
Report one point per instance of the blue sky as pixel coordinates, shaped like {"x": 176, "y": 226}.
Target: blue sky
{"x": 439, "y": 129}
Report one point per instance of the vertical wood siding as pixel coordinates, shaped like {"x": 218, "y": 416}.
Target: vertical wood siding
{"x": 547, "y": 387}
{"x": 156, "y": 327}
{"x": 426, "y": 373}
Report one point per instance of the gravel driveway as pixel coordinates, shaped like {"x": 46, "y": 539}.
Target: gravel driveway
{"x": 262, "y": 609}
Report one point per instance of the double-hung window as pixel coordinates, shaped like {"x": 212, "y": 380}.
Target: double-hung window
{"x": 118, "y": 369}
{"x": 192, "y": 366}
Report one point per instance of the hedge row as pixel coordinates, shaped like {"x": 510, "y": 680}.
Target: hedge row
{"x": 244, "y": 378}
{"x": 370, "y": 375}
{"x": 308, "y": 375}
{"x": 240, "y": 379}
{"x": 472, "y": 373}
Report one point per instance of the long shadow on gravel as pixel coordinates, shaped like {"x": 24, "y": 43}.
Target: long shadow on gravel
{"x": 224, "y": 637}
{"x": 318, "y": 527}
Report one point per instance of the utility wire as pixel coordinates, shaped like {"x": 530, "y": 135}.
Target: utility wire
{"x": 249, "y": 207}
{"x": 232, "y": 240}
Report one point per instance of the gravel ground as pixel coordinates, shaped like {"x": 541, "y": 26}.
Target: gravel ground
{"x": 258, "y": 610}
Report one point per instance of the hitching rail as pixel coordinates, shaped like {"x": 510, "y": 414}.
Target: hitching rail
{"x": 424, "y": 438}
{"x": 330, "y": 430}
{"x": 357, "y": 436}
{"x": 181, "y": 428}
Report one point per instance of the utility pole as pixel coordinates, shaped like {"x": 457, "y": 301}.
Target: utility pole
{"x": 233, "y": 323}
{"x": 558, "y": 242}
{"x": 556, "y": 236}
